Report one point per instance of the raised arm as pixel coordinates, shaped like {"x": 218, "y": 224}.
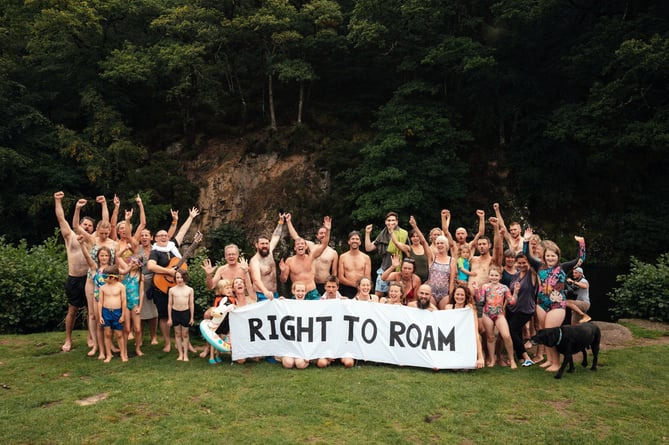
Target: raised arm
{"x": 393, "y": 267}
{"x": 76, "y": 216}
{"x": 277, "y": 234}
{"x": 497, "y": 243}
{"x": 580, "y": 258}
{"x": 192, "y": 214}
{"x": 320, "y": 248}
{"x": 402, "y": 246}
{"x": 369, "y": 245}
{"x": 423, "y": 241}
{"x": 289, "y": 223}
{"x": 114, "y": 217}
{"x": 481, "y": 232}
{"x": 142, "y": 217}
{"x": 445, "y": 223}
{"x": 65, "y": 228}
{"x": 173, "y": 225}
{"x": 84, "y": 248}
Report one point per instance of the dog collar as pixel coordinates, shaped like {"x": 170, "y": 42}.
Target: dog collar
{"x": 559, "y": 338}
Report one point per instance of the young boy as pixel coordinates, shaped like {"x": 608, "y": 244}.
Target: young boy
{"x": 331, "y": 289}
{"x": 180, "y": 312}
{"x": 113, "y": 311}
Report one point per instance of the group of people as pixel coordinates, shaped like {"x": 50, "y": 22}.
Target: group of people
{"x": 511, "y": 291}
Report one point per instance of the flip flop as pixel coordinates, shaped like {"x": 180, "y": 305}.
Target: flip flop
{"x": 212, "y": 361}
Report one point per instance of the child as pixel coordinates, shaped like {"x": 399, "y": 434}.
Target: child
{"x": 222, "y": 290}
{"x": 134, "y": 291}
{"x": 331, "y": 289}
{"x": 299, "y": 291}
{"x": 112, "y": 311}
{"x": 464, "y": 268}
{"x": 103, "y": 256}
{"x": 495, "y": 297}
{"x": 180, "y": 312}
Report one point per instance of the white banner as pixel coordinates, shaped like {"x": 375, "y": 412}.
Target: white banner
{"x": 348, "y": 328}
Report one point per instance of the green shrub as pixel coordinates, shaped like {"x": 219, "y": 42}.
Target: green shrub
{"x": 644, "y": 291}
{"x": 32, "y": 286}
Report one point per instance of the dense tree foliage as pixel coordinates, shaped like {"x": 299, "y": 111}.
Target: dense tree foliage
{"x": 557, "y": 109}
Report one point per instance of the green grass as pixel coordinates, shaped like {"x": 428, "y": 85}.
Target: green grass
{"x": 155, "y": 399}
{"x": 641, "y": 332}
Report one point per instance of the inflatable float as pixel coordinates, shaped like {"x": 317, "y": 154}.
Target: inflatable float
{"x": 208, "y": 327}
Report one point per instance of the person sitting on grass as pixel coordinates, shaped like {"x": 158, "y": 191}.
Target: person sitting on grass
{"x": 299, "y": 291}
{"x": 113, "y": 312}
{"x": 180, "y": 312}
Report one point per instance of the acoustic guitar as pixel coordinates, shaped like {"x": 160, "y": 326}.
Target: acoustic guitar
{"x": 165, "y": 281}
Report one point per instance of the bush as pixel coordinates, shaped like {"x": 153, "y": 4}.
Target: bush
{"x": 644, "y": 291}
{"x": 32, "y": 286}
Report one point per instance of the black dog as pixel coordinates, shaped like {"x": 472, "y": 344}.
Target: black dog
{"x": 569, "y": 340}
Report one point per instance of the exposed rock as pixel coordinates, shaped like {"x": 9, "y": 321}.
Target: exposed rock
{"x": 250, "y": 188}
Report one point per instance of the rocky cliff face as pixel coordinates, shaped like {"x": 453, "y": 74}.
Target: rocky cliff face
{"x": 239, "y": 186}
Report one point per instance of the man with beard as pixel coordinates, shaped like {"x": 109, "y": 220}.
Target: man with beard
{"x": 481, "y": 263}
{"x": 423, "y": 299}
{"x": 353, "y": 265}
{"x": 262, "y": 267}
{"x": 300, "y": 266}
{"x": 325, "y": 265}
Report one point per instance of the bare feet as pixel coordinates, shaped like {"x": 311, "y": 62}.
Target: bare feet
{"x": 115, "y": 349}
{"x": 553, "y": 368}
{"x": 67, "y": 346}
{"x": 586, "y": 318}
{"x": 490, "y": 364}
{"x": 204, "y": 353}
{"x": 167, "y": 348}
{"x": 139, "y": 352}
{"x": 131, "y": 336}
{"x": 545, "y": 364}
{"x": 108, "y": 359}
{"x": 180, "y": 359}
{"x": 92, "y": 352}
{"x": 185, "y": 358}
{"x": 513, "y": 364}
{"x": 538, "y": 359}
{"x": 124, "y": 359}
{"x": 102, "y": 357}
{"x": 154, "y": 341}
{"x": 90, "y": 342}
{"x": 191, "y": 348}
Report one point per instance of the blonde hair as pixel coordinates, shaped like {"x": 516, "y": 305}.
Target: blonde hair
{"x": 222, "y": 284}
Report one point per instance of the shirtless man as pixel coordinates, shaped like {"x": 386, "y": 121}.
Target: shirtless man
{"x": 262, "y": 266}
{"x": 424, "y": 298}
{"x": 481, "y": 264}
{"x": 234, "y": 267}
{"x": 461, "y": 232}
{"x": 512, "y": 235}
{"x": 326, "y": 264}
{"x": 300, "y": 266}
{"x": 353, "y": 265}
{"x": 77, "y": 267}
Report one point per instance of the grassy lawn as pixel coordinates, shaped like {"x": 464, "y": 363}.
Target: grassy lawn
{"x": 155, "y": 399}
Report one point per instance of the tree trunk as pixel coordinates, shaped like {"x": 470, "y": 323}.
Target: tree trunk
{"x": 270, "y": 93}
{"x": 300, "y": 103}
